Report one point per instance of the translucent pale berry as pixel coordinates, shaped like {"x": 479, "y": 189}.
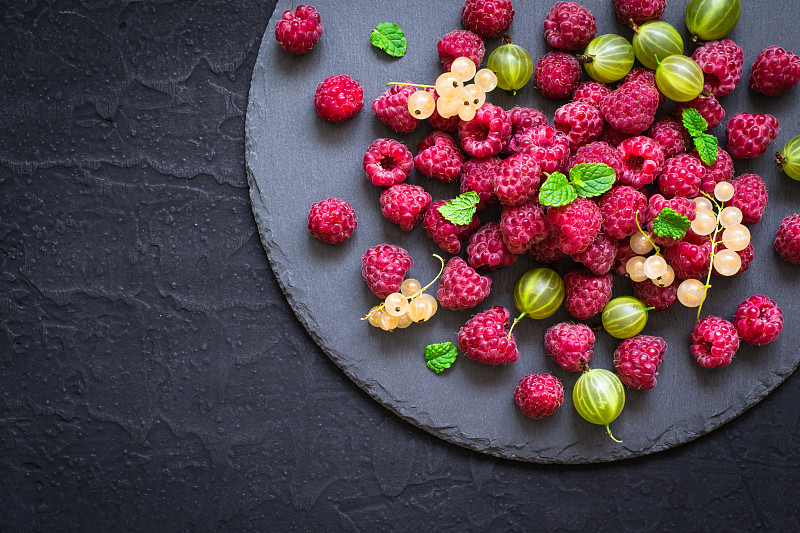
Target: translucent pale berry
{"x": 466, "y": 113}
{"x": 690, "y": 292}
{"x": 409, "y": 287}
{"x": 388, "y": 322}
{"x": 476, "y": 95}
{"x": 448, "y": 85}
{"x": 727, "y": 262}
{"x": 422, "y": 308}
{"x": 375, "y": 316}
{"x": 486, "y": 79}
{"x": 736, "y": 238}
{"x": 421, "y": 105}
{"x": 666, "y": 279}
{"x": 730, "y": 216}
{"x": 640, "y": 244}
{"x": 396, "y": 304}
{"x": 635, "y": 268}
{"x": 433, "y": 305}
{"x": 703, "y": 203}
{"x": 704, "y": 222}
{"x": 723, "y": 191}
{"x": 448, "y": 107}
{"x": 655, "y": 266}
{"x": 404, "y": 321}
{"x": 463, "y": 68}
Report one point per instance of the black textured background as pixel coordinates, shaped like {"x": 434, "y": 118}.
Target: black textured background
{"x": 153, "y": 375}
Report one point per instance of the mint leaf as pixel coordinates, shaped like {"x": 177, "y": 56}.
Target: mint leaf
{"x": 694, "y": 122}
{"x": 592, "y": 179}
{"x": 707, "y": 145}
{"x": 390, "y": 38}
{"x": 669, "y": 223}
{"x": 440, "y": 356}
{"x": 460, "y": 209}
{"x": 556, "y": 191}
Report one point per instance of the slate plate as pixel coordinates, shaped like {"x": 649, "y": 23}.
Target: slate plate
{"x": 294, "y": 159}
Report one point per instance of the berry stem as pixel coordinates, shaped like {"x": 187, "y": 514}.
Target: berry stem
{"x": 712, "y": 255}
{"x": 646, "y": 236}
{"x": 612, "y": 436}
{"x": 411, "y": 84}
{"x": 520, "y": 317}
{"x": 585, "y": 58}
{"x": 382, "y": 306}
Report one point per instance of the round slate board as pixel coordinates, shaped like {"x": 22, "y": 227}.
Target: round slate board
{"x": 294, "y": 158}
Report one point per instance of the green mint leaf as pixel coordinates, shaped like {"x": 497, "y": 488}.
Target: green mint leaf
{"x": 390, "y": 38}
{"x": 440, "y": 356}
{"x": 557, "y": 191}
{"x": 694, "y": 122}
{"x": 707, "y": 145}
{"x": 460, "y": 209}
{"x": 669, "y": 223}
{"x": 592, "y": 179}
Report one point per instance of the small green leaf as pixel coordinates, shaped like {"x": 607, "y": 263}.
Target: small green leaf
{"x": 557, "y": 191}
{"x": 707, "y": 145}
{"x": 460, "y": 209}
{"x": 440, "y": 356}
{"x": 390, "y": 38}
{"x": 694, "y": 122}
{"x": 670, "y": 223}
{"x": 592, "y": 179}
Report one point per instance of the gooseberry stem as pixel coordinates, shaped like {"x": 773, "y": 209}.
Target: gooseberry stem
{"x": 411, "y": 84}
{"x": 612, "y": 436}
{"x": 520, "y": 317}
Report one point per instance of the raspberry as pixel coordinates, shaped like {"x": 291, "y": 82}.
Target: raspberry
{"x": 523, "y": 226}
{"x": 624, "y": 254}
{"x": 597, "y": 152}
{"x": 578, "y": 224}
{"x": 787, "y": 239}
{"x": 637, "y": 360}
{"x": 569, "y": 26}
{"x": 745, "y": 255}
{"x": 646, "y": 76}
{"x": 485, "y": 134}
{"x": 639, "y": 11}
{"x": 642, "y": 161}
{"x": 651, "y": 295}
{"x": 621, "y": 207}
{"x": 487, "y": 18}
{"x": 484, "y": 338}
{"x": 749, "y": 136}
{"x": 557, "y": 74}
{"x": 586, "y": 294}
{"x": 548, "y": 146}
{"x": 299, "y": 30}
{"x": 682, "y": 175}
{"x": 713, "y": 342}
{"x": 721, "y": 62}
{"x": 522, "y": 119}
{"x": 592, "y": 92}
{"x": 599, "y": 256}
{"x": 445, "y": 234}
{"x": 539, "y": 395}
{"x": 612, "y": 137}
{"x": 774, "y": 71}
{"x": 387, "y": 162}
{"x": 570, "y": 345}
{"x": 708, "y": 107}
{"x": 758, "y": 320}
{"x": 338, "y": 98}
{"x": 479, "y": 175}
{"x": 631, "y": 108}
{"x": 487, "y": 249}
{"x": 721, "y": 170}
{"x": 391, "y": 108}
{"x": 750, "y": 195}
{"x": 437, "y": 121}
{"x": 461, "y": 287}
{"x": 671, "y": 135}
{"x": 518, "y": 180}
{"x": 690, "y": 257}
{"x": 383, "y": 267}
{"x": 332, "y": 220}
{"x": 546, "y": 251}
{"x": 460, "y": 43}
{"x": 439, "y": 157}
{"x": 582, "y": 123}
{"x": 405, "y": 204}
{"x": 683, "y": 206}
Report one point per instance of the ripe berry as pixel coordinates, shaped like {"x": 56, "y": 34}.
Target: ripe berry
{"x": 639, "y": 11}
{"x": 681, "y": 175}
{"x": 787, "y": 239}
{"x": 721, "y": 170}
{"x": 586, "y": 294}
{"x": 758, "y": 320}
{"x": 621, "y": 207}
{"x": 631, "y": 108}
{"x": 646, "y": 76}
{"x": 299, "y": 30}
{"x": 539, "y": 395}
{"x": 460, "y": 43}
{"x": 523, "y": 226}
{"x": 383, "y": 267}
{"x": 581, "y": 122}
{"x": 749, "y": 136}
{"x": 750, "y": 196}
{"x": 683, "y": 206}
{"x": 445, "y": 234}
{"x": 569, "y": 26}
{"x": 487, "y": 133}
{"x": 708, "y": 107}
{"x": 461, "y": 287}
{"x": 484, "y": 338}
{"x": 597, "y": 152}
{"x": 651, "y": 295}
{"x": 487, "y": 249}
{"x": 599, "y": 256}
{"x": 642, "y": 161}
{"x": 405, "y": 204}
{"x": 557, "y": 74}
{"x": 774, "y": 71}
{"x": 637, "y": 360}
{"x": 387, "y": 162}
{"x": 690, "y": 257}
{"x": 547, "y": 251}
{"x": 439, "y": 157}
{"x": 440, "y": 123}
{"x": 578, "y": 224}
{"x": 522, "y": 119}
{"x": 332, "y": 220}
{"x": 570, "y": 345}
{"x": 487, "y": 18}
{"x": 591, "y": 92}
{"x": 671, "y": 135}
{"x": 548, "y": 146}
{"x": 713, "y": 342}
{"x": 478, "y": 174}
{"x": 338, "y": 98}
{"x": 721, "y": 62}
{"x": 391, "y": 108}
{"x": 518, "y": 180}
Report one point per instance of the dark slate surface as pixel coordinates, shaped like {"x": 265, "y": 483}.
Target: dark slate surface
{"x": 153, "y": 376}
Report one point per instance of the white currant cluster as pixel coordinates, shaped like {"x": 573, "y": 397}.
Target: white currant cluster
{"x": 401, "y": 309}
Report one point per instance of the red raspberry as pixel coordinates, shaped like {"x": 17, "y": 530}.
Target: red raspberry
{"x": 683, "y": 206}
{"x": 569, "y": 26}
{"x": 631, "y": 108}
{"x": 597, "y": 152}
{"x": 599, "y": 256}
{"x": 461, "y": 287}
{"x": 714, "y": 342}
{"x": 642, "y": 161}
{"x": 592, "y": 92}
{"x": 484, "y": 338}
{"x": 774, "y": 71}
{"x": 522, "y": 119}
{"x": 570, "y": 345}
{"x": 682, "y": 175}
{"x": 612, "y": 137}
{"x": 332, "y": 220}
{"x": 479, "y": 175}
{"x": 391, "y": 108}
{"x": 299, "y": 30}
{"x": 787, "y": 239}
{"x": 639, "y": 11}
{"x": 578, "y": 224}
{"x": 750, "y": 195}
{"x": 548, "y": 146}
{"x": 624, "y": 254}
{"x": 721, "y": 170}
{"x": 637, "y": 360}
{"x": 387, "y": 162}
{"x": 405, "y": 204}
{"x": 485, "y": 134}
{"x": 487, "y": 249}
{"x": 646, "y": 76}
{"x": 621, "y": 207}
{"x": 439, "y": 157}
{"x": 539, "y": 395}
{"x": 651, "y": 295}
{"x": 749, "y": 136}
{"x": 708, "y": 107}
{"x": 523, "y": 226}
{"x": 758, "y": 320}
{"x": 518, "y": 180}
{"x": 460, "y": 43}
{"x": 582, "y": 123}
{"x": 547, "y": 251}
{"x": 487, "y": 18}
{"x": 721, "y": 62}
{"x": 383, "y": 267}
{"x": 690, "y": 257}
{"x": 437, "y": 121}
{"x": 671, "y": 135}
{"x": 445, "y": 234}
{"x": 745, "y": 255}
{"x": 557, "y": 74}
{"x": 338, "y": 98}
{"x": 586, "y": 294}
